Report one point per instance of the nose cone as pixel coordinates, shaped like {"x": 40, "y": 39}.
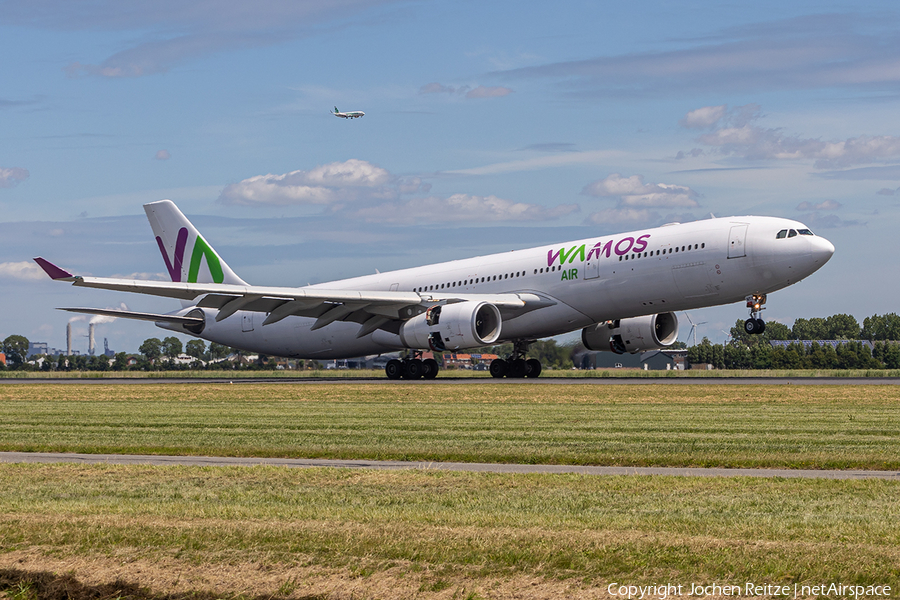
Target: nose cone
{"x": 821, "y": 249}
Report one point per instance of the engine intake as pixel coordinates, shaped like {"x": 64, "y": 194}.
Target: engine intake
{"x": 453, "y": 326}
{"x": 637, "y": 334}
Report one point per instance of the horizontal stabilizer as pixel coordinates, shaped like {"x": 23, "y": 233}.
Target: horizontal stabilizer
{"x": 139, "y": 316}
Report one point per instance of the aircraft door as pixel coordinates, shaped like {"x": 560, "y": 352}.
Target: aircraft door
{"x": 736, "y": 241}
{"x": 591, "y": 268}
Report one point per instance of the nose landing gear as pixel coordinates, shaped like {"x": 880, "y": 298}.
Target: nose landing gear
{"x": 755, "y": 325}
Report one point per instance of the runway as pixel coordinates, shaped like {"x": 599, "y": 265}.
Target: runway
{"x": 469, "y": 381}
{"x": 221, "y": 461}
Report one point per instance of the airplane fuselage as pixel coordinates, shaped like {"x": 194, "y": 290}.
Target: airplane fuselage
{"x": 355, "y": 114}
{"x": 670, "y": 268}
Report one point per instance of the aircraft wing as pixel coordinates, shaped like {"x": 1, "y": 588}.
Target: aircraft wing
{"x": 373, "y": 309}
{"x": 140, "y": 316}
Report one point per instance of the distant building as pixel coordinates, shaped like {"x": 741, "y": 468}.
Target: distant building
{"x": 655, "y": 360}
{"x": 3, "y": 358}
{"x": 37, "y": 348}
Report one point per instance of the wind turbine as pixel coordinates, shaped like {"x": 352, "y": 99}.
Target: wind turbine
{"x": 693, "y": 332}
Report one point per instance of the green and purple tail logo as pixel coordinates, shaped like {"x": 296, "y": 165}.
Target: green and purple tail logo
{"x": 201, "y": 249}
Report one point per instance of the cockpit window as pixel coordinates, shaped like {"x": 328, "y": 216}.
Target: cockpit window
{"x": 781, "y": 234}
{"x": 792, "y": 233}
{"x": 805, "y": 232}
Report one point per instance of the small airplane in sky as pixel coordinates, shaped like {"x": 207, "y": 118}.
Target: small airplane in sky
{"x": 351, "y": 114}
{"x": 622, "y": 291}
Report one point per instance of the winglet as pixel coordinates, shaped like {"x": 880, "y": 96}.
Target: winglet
{"x": 53, "y": 271}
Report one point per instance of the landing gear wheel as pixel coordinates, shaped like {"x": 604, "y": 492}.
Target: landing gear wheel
{"x": 499, "y": 368}
{"x": 414, "y": 369}
{"x": 534, "y": 367}
{"x": 517, "y": 369}
{"x": 394, "y": 369}
{"x": 754, "y": 326}
{"x": 431, "y": 368}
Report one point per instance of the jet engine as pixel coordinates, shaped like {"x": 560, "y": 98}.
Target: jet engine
{"x": 636, "y": 334}
{"x": 453, "y": 326}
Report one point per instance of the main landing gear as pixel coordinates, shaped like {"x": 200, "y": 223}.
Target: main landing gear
{"x": 412, "y": 368}
{"x": 755, "y": 325}
{"x": 516, "y": 366}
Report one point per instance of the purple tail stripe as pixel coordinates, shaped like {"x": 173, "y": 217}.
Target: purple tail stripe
{"x": 180, "y": 243}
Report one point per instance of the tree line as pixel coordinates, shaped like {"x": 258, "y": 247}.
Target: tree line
{"x": 155, "y": 355}
{"x": 744, "y": 351}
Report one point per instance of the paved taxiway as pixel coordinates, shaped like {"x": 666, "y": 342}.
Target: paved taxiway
{"x": 220, "y": 461}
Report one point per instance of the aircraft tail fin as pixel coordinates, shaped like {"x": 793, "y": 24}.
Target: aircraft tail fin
{"x": 177, "y": 236}
{"x": 336, "y": 110}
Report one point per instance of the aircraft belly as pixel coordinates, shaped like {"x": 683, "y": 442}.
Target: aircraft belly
{"x": 292, "y": 338}
{"x": 545, "y": 322}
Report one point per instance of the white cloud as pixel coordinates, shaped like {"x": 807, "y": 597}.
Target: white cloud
{"x": 12, "y": 176}
{"x": 488, "y": 92}
{"x": 703, "y": 117}
{"x": 613, "y": 216}
{"x": 825, "y": 205}
{"x": 633, "y": 192}
{"x": 436, "y": 88}
{"x": 25, "y": 270}
{"x": 801, "y": 53}
{"x": 738, "y": 136}
{"x": 351, "y": 173}
{"x": 325, "y": 184}
{"x": 180, "y": 31}
{"x": 817, "y": 220}
{"x": 481, "y": 91}
{"x": 360, "y": 190}
{"x": 597, "y": 157}
{"x": 461, "y": 208}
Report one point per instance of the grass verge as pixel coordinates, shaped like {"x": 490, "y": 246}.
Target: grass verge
{"x": 817, "y": 427}
{"x": 448, "y": 530}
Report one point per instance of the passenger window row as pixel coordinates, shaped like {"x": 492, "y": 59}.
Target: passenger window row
{"x": 632, "y": 256}
{"x": 473, "y": 281}
{"x": 676, "y": 249}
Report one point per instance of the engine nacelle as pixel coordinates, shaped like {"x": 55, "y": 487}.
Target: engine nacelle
{"x": 636, "y": 334}
{"x": 453, "y": 326}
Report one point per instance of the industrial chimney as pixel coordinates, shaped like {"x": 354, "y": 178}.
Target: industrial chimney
{"x": 69, "y": 339}
{"x": 92, "y": 344}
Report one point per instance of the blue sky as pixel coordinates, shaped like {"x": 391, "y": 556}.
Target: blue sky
{"x": 488, "y": 127}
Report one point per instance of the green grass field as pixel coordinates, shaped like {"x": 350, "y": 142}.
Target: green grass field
{"x": 267, "y": 532}
{"x": 813, "y": 427}
{"x": 459, "y": 530}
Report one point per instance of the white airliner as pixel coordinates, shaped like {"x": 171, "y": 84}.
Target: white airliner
{"x": 352, "y": 114}
{"x": 621, "y": 290}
